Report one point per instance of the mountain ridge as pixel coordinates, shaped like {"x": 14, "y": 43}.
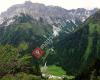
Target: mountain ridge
{"x": 66, "y": 21}
{"x": 40, "y": 10}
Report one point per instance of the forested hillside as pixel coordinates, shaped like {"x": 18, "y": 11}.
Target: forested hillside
{"x": 80, "y": 49}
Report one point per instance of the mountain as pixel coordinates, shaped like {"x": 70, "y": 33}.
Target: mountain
{"x": 24, "y": 29}
{"x": 79, "y": 50}
{"x": 33, "y": 23}
{"x": 62, "y": 19}
{"x": 76, "y": 33}
{"x": 37, "y": 10}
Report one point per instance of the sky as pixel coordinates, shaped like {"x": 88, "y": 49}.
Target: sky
{"x": 68, "y": 4}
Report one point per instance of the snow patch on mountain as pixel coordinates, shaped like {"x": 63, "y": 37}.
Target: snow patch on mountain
{"x": 83, "y": 19}
{"x": 1, "y": 20}
{"x": 68, "y": 21}
{"x": 10, "y": 22}
{"x": 56, "y": 30}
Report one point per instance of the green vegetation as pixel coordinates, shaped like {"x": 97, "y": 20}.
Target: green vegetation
{"x": 21, "y": 76}
{"x": 10, "y": 59}
{"x": 80, "y": 49}
{"x": 73, "y": 54}
{"x": 12, "y": 63}
{"x": 55, "y": 70}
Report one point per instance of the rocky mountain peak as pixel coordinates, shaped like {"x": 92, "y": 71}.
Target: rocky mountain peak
{"x": 53, "y": 15}
{"x": 40, "y": 10}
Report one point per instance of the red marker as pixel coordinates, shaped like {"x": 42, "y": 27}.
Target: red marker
{"x": 37, "y": 53}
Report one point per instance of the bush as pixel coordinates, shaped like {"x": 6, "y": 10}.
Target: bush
{"x": 10, "y": 60}
{"x": 21, "y": 76}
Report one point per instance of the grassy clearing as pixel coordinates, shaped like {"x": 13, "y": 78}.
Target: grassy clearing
{"x": 55, "y": 70}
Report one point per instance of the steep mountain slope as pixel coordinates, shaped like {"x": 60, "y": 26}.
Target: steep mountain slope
{"x": 80, "y": 49}
{"x": 33, "y": 23}
{"x": 21, "y": 22}
{"x": 49, "y": 13}
{"x": 24, "y": 29}
{"x": 67, "y": 20}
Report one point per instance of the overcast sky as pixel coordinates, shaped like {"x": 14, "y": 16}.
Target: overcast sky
{"x": 68, "y": 4}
